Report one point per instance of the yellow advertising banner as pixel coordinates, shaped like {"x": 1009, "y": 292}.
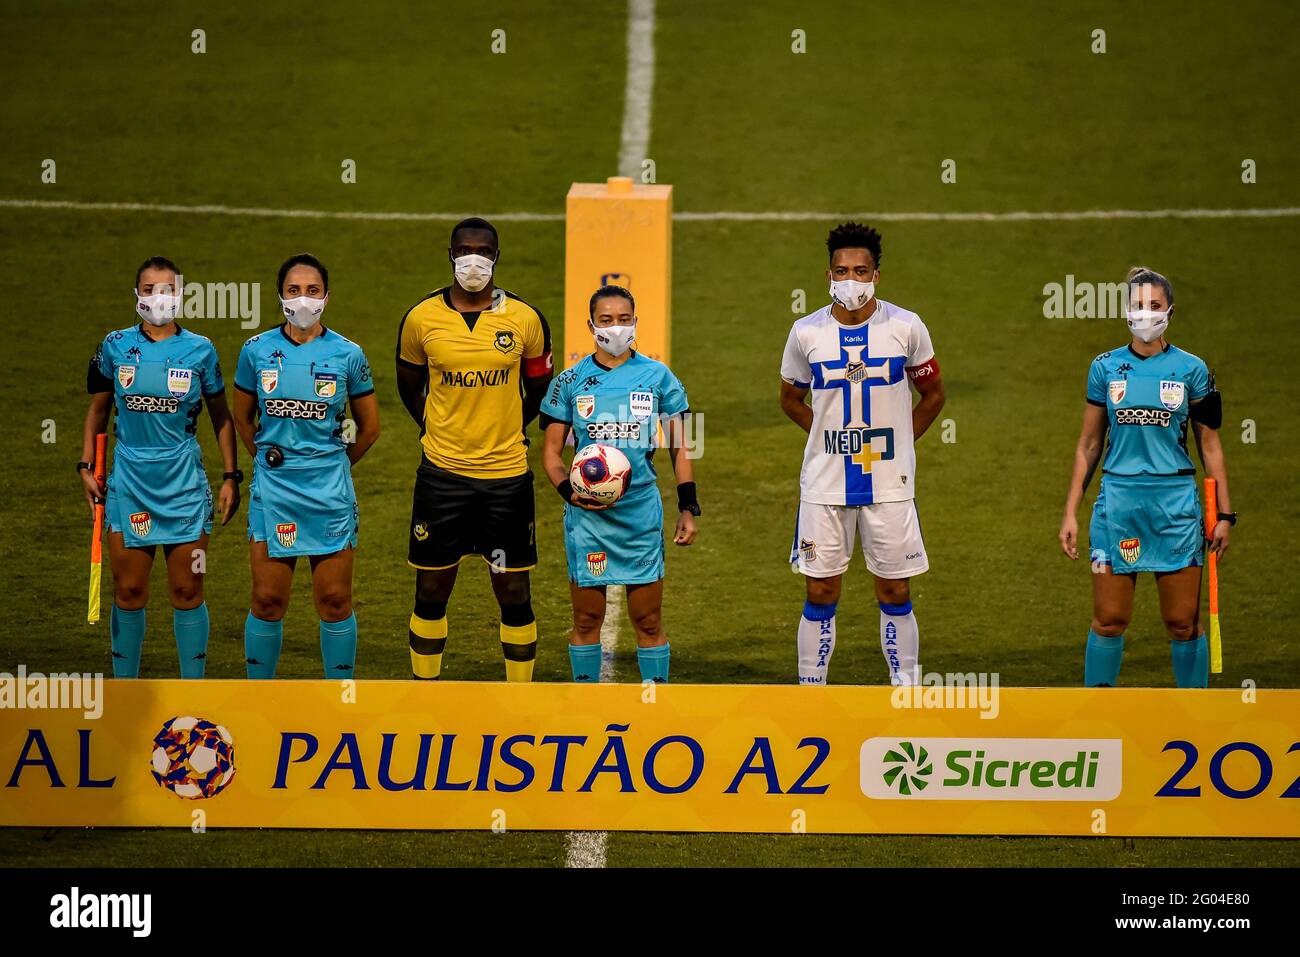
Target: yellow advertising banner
{"x": 401, "y": 754}
{"x": 619, "y": 233}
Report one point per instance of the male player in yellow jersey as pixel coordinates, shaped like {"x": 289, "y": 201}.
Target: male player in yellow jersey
{"x": 473, "y": 364}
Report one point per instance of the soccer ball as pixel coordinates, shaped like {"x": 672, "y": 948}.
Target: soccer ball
{"x": 193, "y": 758}
{"x": 600, "y": 473}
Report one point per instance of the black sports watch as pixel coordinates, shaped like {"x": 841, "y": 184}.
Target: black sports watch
{"x": 85, "y": 467}
{"x": 1229, "y": 517}
{"x": 236, "y": 476}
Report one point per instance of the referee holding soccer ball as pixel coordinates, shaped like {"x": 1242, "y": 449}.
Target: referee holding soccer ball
{"x": 473, "y": 363}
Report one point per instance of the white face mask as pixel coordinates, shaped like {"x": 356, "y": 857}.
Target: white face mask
{"x": 1148, "y": 324}
{"x": 615, "y": 340}
{"x": 303, "y": 312}
{"x": 473, "y": 272}
{"x": 158, "y": 309}
{"x": 851, "y": 294}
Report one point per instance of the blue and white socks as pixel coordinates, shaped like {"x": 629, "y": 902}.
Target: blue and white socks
{"x": 900, "y": 643}
{"x": 816, "y": 642}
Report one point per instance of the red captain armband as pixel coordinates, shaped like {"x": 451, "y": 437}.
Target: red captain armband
{"x": 926, "y": 370}
{"x": 538, "y": 365}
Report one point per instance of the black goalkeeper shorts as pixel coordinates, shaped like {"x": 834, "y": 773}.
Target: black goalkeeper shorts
{"x": 454, "y": 516}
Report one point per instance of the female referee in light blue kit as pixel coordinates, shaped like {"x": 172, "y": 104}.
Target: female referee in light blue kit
{"x": 1148, "y": 516}
{"x": 293, "y": 384}
{"x": 618, "y": 397}
{"x": 158, "y": 376}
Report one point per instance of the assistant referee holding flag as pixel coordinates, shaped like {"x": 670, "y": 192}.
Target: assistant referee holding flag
{"x": 473, "y": 363}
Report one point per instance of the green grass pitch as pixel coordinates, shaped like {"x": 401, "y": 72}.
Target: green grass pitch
{"x": 862, "y": 121}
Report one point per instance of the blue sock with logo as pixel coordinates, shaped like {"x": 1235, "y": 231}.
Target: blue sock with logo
{"x": 585, "y": 662}
{"x": 654, "y": 662}
{"x": 1102, "y": 659}
{"x": 126, "y": 630}
{"x": 1191, "y": 662}
{"x": 262, "y": 641}
{"x": 338, "y": 646}
{"x": 190, "y": 626}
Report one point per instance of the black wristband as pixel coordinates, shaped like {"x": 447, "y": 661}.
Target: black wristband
{"x": 686, "y": 498}
{"x": 1229, "y": 517}
{"x": 236, "y": 476}
{"x": 85, "y": 467}
{"x": 565, "y": 489}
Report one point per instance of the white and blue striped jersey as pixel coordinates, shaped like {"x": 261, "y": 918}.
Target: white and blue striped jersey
{"x": 860, "y": 449}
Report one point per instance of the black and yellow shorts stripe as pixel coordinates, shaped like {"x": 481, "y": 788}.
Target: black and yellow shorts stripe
{"x": 455, "y": 516}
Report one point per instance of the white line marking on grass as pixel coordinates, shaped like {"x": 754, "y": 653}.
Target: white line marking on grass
{"x": 681, "y": 216}
{"x": 638, "y": 92}
{"x": 614, "y": 600}
{"x": 985, "y": 217}
{"x": 587, "y": 848}
{"x": 262, "y": 211}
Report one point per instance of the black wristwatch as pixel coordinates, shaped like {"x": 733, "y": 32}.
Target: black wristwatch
{"x": 85, "y": 467}
{"x": 1229, "y": 517}
{"x": 693, "y": 508}
{"x": 236, "y": 476}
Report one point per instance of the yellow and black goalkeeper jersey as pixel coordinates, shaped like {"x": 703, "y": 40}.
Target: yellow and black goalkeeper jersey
{"x": 473, "y": 416}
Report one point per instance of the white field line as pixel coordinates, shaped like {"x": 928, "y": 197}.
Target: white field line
{"x": 638, "y": 91}
{"x": 587, "y": 848}
{"x": 773, "y": 216}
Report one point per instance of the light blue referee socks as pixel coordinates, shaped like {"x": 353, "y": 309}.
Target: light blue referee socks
{"x": 585, "y": 662}
{"x": 262, "y": 641}
{"x": 190, "y": 625}
{"x": 1102, "y": 660}
{"x": 654, "y": 662}
{"x": 1191, "y": 662}
{"x": 126, "y": 629}
{"x": 338, "y": 646}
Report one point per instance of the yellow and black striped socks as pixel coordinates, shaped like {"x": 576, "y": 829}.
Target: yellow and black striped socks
{"x": 518, "y": 641}
{"x": 428, "y": 639}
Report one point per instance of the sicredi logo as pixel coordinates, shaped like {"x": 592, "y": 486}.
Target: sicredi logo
{"x": 992, "y": 769}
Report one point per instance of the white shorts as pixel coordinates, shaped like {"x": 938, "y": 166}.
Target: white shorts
{"x": 891, "y": 539}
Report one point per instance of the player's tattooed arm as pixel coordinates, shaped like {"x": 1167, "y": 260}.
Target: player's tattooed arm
{"x": 933, "y": 397}
{"x": 794, "y": 403}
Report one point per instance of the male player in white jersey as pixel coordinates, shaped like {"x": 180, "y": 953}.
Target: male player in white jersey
{"x": 857, "y": 356}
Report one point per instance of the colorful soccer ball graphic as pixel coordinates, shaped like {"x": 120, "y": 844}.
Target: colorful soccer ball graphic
{"x": 193, "y": 758}
{"x": 600, "y": 473}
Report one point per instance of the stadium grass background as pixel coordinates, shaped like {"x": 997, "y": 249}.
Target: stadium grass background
{"x": 861, "y": 121}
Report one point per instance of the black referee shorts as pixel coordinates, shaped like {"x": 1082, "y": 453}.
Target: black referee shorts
{"x": 454, "y": 516}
